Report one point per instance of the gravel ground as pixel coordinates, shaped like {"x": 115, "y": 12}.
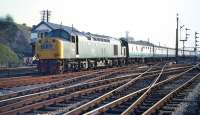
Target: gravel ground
{"x": 191, "y": 106}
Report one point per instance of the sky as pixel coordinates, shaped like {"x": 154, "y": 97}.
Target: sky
{"x": 144, "y": 19}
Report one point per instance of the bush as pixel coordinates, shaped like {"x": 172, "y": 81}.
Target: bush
{"x": 8, "y": 57}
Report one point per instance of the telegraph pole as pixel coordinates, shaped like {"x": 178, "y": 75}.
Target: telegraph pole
{"x": 45, "y": 15}
{"x": 195, "y": 49}
{"x": 48, "y": 14}
{"x": 176, "y": 55}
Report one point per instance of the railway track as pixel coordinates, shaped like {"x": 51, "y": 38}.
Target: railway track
{"x": 169, "y": 103}
{"x": 142, "y": 101}
{"x": 18, "y": 71}
{"x": 60, "y": 94}
{"x": 30, "y": 80}
{"x": 10, "y": 102}
{"x": 132, "y": 86}
{"x": 71, "y": 81}
{"x": 97, "y": 86}
{"x": 72, "y": 94}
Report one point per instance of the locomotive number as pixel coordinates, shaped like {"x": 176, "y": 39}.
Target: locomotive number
{"x": 46, "y": 46}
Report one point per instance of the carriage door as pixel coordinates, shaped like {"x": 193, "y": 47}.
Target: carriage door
{"x": 77, "y": 52}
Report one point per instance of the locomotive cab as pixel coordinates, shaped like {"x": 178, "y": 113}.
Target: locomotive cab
{"x": 53, "y": 49}
{"x": 71, "y": 37}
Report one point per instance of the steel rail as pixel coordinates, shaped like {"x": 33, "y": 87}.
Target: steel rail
{"x": 46, "y": 97}
{"x": 121, "y": 100}
{"x": 61, "y": 90}
{"x": 12, "y": 103}
{"x": 66, "y": 89}
{"x": 168, "y": 97}
{"x": 88, "y": 77}
{"x": 29, "y": 80}
{"x": 143, "y": 96}
{"x": 41, "y": 104}
{"x": 92, "y": 103}
{"x": 54, "y": 84}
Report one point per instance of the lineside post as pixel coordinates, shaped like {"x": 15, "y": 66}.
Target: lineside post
{"x": 176, "y": 47}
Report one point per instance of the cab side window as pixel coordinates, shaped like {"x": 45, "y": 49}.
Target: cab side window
{"x": 73, "y": 39}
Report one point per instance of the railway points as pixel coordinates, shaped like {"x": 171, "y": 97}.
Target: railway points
{"x": 92, "y": 93}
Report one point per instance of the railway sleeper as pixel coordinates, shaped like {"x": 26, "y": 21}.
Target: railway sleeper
{"x": 168, "y": 108}
{"x": 178, "y": 100}
{"x": 120, "y": 108}
{"x": 147, "y": 104}
{"x": 164, "y": 112}
{"x": 62, "y": 104}
{"x": 172, "y": 105}
{"x": 180, "y": 97}
{"x": 155, "y": 96}
{"x": 115, "y": 111}
{"x": 174, "y": 102}
{"x": 143, "y": 108}
{"x": 138, "y": 111}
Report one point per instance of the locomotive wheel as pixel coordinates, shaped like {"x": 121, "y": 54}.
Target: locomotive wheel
{"x": 61, "y": 67}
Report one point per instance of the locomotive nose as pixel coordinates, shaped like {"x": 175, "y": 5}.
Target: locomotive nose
{"x": 48, "y": 48}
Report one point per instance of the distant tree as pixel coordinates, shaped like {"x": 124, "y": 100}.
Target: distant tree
{"x": 9, "y": 18}
{"x": 24, "y": 24}
{"x": 1, "y": 18}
